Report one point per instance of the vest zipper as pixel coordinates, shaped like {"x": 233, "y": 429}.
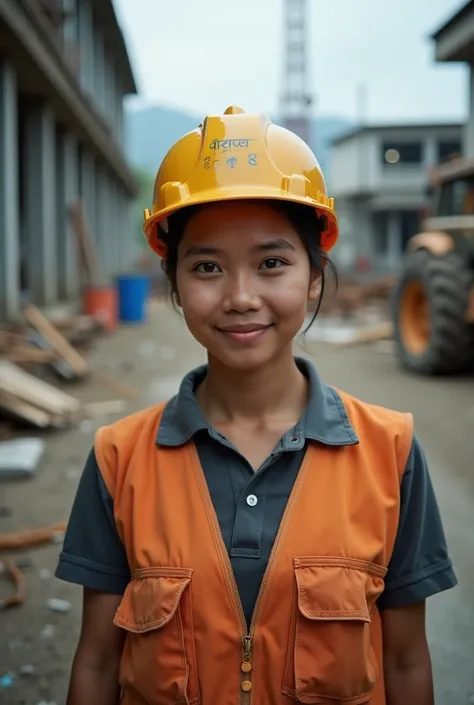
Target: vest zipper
{"x": 246, "y": 670}
{"x": 246, "y": 666}
{"x": 247, "y": 641}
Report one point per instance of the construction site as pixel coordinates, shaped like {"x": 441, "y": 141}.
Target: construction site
{"x": 88, "y": 333}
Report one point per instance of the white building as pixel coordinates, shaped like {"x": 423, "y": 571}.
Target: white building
{"x": 454, "y": 43}
{"x": 64, "y": 73}
{"x": 378, "y": 176}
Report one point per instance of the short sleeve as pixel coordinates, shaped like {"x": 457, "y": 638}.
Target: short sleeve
{"x": 93, "y": 554}
{"x": 420, "y": 565}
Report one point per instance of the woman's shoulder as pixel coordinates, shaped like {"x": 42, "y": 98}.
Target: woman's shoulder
{"x": 129, "y": 426}
{"x": 380, "y": 427}
{"x": 373, "y": 416}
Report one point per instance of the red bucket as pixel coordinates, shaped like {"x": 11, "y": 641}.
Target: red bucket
{"x": 101, "y": 302}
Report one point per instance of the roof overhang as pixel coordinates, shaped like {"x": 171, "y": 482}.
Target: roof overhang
{"x": 40, "y": 65}
{"x": 105, "y": 11}
{"x": 455, "y": 169}
{"x": 405, "y": 127}
{"x": 454, "y": 40}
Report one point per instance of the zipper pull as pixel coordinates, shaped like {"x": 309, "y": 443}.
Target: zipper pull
{"x": 247, "y": 647}
{"x": 246, "y": 665}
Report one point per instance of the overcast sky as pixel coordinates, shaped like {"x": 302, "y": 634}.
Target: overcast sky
{"x": 202, "y": 55}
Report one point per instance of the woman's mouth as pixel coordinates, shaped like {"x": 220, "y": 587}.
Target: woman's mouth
{"x": 245, "y": 332}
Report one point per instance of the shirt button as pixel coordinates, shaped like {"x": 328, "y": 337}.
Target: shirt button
{"x": 252, "y": 500}
{"x": 294, "y": 439}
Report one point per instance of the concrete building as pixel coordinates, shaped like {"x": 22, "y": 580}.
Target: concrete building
{"x": 378, "y": 177}
{"x": 64, "y": 72}
{"x": 454, "y": 42}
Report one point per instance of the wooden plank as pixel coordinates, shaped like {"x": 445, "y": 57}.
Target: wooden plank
{"x": 87, "y": 253}
{"x": 102, "y": 408}
{"x": 56, "y": 339}
{"x": 25, "y": 411}
{"x": 382, "y": 331}
{"x": 29, "y": 388}
{"x": 32, "y": 537}
{"x": 25, "y": 354}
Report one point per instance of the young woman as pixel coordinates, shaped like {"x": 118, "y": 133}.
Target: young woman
{"x": 261, "y": 538}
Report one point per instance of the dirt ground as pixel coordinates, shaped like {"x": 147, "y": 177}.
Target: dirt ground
{"x": 37, "y": 644}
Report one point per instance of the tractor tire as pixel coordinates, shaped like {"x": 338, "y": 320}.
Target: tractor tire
{"x": 429, "y": 311}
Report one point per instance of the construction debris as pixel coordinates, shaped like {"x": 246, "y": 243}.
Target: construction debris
{"x": 352, "y": 295}
{"x": 371, "y": 334}
{"x": 20, "y": 457}
{"x": 48, "y": 344}
{"x": 57, "y": 605}
{"x": 33, "y": 537}
{"x": 33, "y": 400}
{"x": 22, "y": 540}
{"x": 56, "y": 339}
{"x": 104, "y": 408}
{"x": 18, "y": 579}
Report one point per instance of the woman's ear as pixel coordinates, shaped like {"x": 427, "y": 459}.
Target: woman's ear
{"x": 315, "y": 286}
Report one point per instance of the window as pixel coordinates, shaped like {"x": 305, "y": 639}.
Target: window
{"x": 402, "y": 153}
{"x": 410, "y": 225}
{"x": 448, "y": 149}
{"x": 457, "y": 197}
{"x": 380, "y": 233}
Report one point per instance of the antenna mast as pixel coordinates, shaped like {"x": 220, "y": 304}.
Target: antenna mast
{"x": 296, "y": 100}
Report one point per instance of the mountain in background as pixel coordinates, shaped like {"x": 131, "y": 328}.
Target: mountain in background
{"x": 151, "y": 131}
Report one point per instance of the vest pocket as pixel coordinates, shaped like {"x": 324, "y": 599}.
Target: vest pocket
{"x": 159, "y": 660}
{"x": 330, "y": 658}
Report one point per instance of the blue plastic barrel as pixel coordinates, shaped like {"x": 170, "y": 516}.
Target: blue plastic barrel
{"x": 133, "y": 297}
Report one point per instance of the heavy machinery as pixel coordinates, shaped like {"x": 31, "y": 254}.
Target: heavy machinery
{"x": 433, "y": 300}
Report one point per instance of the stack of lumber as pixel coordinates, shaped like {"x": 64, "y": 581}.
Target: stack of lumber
{"x": 25, "y": 396}
{"x": 40, "y": 342}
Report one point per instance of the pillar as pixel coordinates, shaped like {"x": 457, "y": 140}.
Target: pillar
{"x": 9, "y": 194}
{"x": 431, "y": 152}
{"x": 122, "y": 253}
{"x": 86, "y": 44}
{"x": 129, "y": 245}
{"x": 99, "y": 72}
{"x": 40, "y": 203}
{"x": 119, "y": 117}
{"x": 395, "y": 248}
{"x": 88, "y": 192}
{"x": 114, "y": 227}
{"x": 469, "y": 128}
{"x": 103, "y": 216}
{"x": 110, "y": 89}
{"x": 67, "y": 192}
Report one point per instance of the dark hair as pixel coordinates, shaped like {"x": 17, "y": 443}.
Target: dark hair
{"x": 304, "y": 219}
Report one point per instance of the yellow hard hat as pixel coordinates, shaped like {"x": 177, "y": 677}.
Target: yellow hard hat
{"x": 238, "y": 156}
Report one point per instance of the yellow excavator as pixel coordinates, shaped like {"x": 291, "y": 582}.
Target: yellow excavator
{"x": 433, "y": 300}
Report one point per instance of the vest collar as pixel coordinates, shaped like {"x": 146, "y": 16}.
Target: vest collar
{"x": 325, "y": 419}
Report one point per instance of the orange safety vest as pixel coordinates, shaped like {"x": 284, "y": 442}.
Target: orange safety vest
{"x": 316, "y": 633}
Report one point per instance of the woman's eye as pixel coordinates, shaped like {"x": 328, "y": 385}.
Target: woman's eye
{"x": 273, "y": 263}
{"x": 207, "y": 268}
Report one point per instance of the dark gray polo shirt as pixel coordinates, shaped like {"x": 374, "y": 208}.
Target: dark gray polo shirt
{"x": 249, "y": 505}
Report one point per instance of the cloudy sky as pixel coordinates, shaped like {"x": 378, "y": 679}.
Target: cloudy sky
{"x": 202, "y": 55}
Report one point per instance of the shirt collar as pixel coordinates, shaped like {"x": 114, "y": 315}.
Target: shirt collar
{"x": 325, "y": 419}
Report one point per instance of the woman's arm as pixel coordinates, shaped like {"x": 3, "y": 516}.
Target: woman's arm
{"x": 95, "y": 671}
{"x": 407, "y": 663}
{"x": 419, "y": 567}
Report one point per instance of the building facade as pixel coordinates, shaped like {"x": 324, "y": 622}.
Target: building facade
{"x": 379, "y": 180}
{"x": 454, "y": 43}
{"x": 64, "y": 73}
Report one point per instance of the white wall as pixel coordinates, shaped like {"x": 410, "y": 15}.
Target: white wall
{"x": 353, "y": 166}
{"x": 356, "y": 166}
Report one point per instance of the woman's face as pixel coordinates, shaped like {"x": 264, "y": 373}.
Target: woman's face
{"x": 243, "y": 280}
